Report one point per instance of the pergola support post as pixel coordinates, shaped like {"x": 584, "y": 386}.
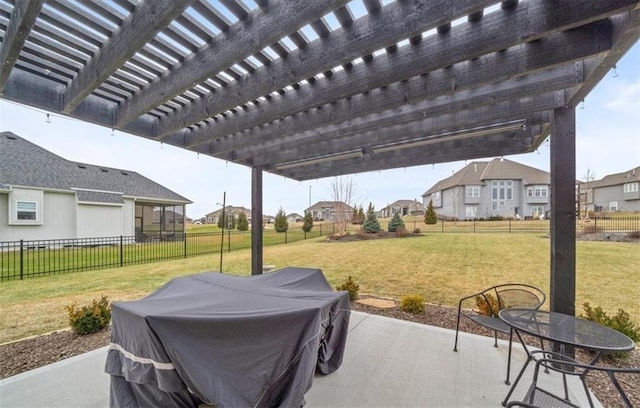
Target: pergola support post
{"x": 562, "y": 296}
{"x": 256, "y": 221}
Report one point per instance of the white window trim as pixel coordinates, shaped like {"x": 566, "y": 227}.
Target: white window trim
{"x": 631, "y": 187}
{"x": 613, "y": 206}
{"x": 473, "y": 191}
{"x": 13, "y": 213}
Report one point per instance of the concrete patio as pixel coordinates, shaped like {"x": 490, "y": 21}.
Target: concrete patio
{"x": 388, "y": 363}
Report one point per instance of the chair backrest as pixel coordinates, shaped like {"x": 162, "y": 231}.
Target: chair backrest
{"x": 519, "y": 295}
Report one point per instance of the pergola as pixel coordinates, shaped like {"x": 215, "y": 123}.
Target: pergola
{"x": 313, "y": 89}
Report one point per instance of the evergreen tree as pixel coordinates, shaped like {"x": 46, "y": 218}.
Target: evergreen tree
{"x": 371, "y": 225}
{"x": 232, "y": 221}
{"x": 430, "y": 216}
{"x": 308, "y": 222}
{"x": 281, "y": 224}
{"x": 243, "y": 223}
{"x": 396, "y": 223}
{"x": 361, "y": 215}
{"x": 221, "y": 219}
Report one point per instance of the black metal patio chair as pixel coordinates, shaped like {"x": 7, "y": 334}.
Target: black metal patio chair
{"x": 482, "y": 308}
{"x": 555, "y": 362}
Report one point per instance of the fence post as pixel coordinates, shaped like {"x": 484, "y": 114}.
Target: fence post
{"x": 474, "y": 225}
{"x": 121, "y": 252}
{"x": 509, "y": 225}
{"x": 228, "y": 240}
{"x": 286, "y": 241}
{"x": 184, "y": 238}
{"x": 21, "y": 258}
{"x": 442, "y": 226}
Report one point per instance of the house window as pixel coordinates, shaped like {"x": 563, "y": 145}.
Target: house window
{"x": 537, "y": 210}
{"x": 501, "y": 191}
{"x": 473, "y": 191}
{"x": 436, "y": 196}
{"x": 537, "y": 191}
{"x": 471, "y": 211}
{"x": 26, "y": 210}
{"x": 613, "y": 205}
{"x": 631, "y": 187}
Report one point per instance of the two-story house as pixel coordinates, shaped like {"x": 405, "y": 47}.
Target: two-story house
{"x": 499, "y": 187}
{"x": 615, "y": 192}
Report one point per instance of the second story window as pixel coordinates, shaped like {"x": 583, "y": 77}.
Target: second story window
{"x": 537, "y": 191}
{"x": 631, "y": 187}
{"x": 473, "y": 191}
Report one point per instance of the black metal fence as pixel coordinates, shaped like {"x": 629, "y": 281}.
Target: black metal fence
{"x": 22, "y": 259}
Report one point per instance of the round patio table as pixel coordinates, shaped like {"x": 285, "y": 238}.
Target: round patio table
{"x": 564, "y": 330}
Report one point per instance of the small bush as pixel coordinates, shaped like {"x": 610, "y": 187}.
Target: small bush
{"x": 620, "y": 322}
{"x": 634, "y": 234}
{"x": 402, "y": 233}
{"x": 591, "y": 229}
{"x": 487, "y": 306}
{"x": 396, "y": 223}
{"x": 417, "y": 231}
{"x": 430, "y": 216}
{"x": 89, "y": 319}
{"x": 496, "y": 218}
{"x": 412, "y": 304}
{"x": 351, "y": 286}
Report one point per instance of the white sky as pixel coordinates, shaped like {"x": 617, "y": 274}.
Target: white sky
{"x": 608, "y": 141}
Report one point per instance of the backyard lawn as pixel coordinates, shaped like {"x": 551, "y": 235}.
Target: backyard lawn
{"x": 440, "y": 267}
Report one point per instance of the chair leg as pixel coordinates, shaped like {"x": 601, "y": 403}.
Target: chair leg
{"x": 455, "y": 345}
{"x": 509, "y": 357}
{"x": 495, "y": 339}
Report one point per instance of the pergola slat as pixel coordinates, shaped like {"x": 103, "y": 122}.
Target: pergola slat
{"x": 137, "y": 29}
{"x": 240, "y": 42}
{"x": 23, "y": 17}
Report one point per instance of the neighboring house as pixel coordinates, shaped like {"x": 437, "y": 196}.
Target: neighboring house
{"x": 615, "y": 192}
{"x": 212, "y": 217}
{"x": 43, "y": 196}
{"x": 294, "y": 217}
{"x": 403, "y": 207}
{"x": 328, "y": 210}
{"x": 500, "y": 187}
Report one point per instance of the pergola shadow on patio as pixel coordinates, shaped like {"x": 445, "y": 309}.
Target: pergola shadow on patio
{"x": 312, "y": 89}
{"x": 387, "y": 363}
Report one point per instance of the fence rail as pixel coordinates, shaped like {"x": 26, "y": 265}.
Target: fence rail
{"x": 22, "y": 259}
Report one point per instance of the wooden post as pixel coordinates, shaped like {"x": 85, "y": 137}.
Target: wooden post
{"x": 256, "y": 221}
{"x": 563, "y": 212}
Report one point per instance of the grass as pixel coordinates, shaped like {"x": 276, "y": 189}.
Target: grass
{"x": 440, "y": 267}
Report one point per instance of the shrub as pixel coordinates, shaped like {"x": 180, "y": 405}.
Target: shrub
{"x": 402, "y": 233}
{"x": 496, "y": 218}
{"x": 351, "y": 286}
{"x": 591, "y": 229}
{"x": 416, "y": 230}
{"x": 89, "y": 319}
{"x": 280, "y": 223}
{"x": 396, "y": 223}
{"x": 307, "y": 222}
{"x": 430, "y": 216}
{"x": 620, "y": 322}
{"x": 371, "y": 224}
{"x": 634, "y": 234}
{"x": 412, "y": 304}
{"x": 487, "y": 305}
{"x": 243, "y": 222}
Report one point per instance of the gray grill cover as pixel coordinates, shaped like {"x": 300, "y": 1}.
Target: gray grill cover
{"x": 227, "y": 341}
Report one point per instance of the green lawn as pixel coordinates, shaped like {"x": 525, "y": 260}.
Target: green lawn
{"x": 441, "y": 267}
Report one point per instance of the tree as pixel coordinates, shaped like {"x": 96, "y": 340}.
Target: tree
{"x": 220, "y": 220}
{"x": 371, "y": 225}
{"x": 243, "y": 222}
{"x": 280, "y": 223}
{"x": 358, "y": 216}
{"x": 307, "y": 224}
{"x": 430, "y": 216}
{"x": 343, "y": 191}
{"x": 396, "y": 223}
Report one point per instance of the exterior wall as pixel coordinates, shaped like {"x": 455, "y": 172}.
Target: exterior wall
{"x": 99, "y": 221}
{"x": 604, "y": 197}
{"x": 128, "y": 215}
{"x": 58, "y": 217}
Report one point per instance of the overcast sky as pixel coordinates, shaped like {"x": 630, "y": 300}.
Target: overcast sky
{"x": 608, "y": 141}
